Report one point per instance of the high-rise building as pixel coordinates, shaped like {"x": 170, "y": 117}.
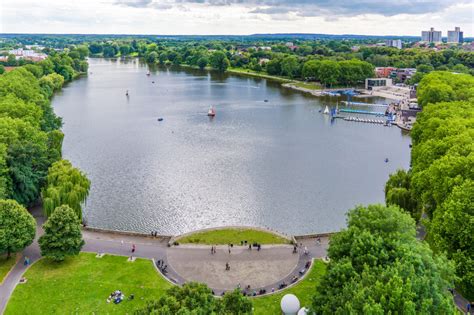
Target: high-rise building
{"x": 455, "y": 36}
{"x": 431, "y": 36}
{"x": 394, "y": 43}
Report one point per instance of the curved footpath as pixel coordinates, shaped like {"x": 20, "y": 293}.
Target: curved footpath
{"x": 157, "y": 249}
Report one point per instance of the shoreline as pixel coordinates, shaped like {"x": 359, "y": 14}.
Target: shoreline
{"x": 171, "y": 238}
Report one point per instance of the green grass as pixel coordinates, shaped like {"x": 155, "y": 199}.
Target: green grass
{"x": 81, "y": 285}
{"x": 233, "y": 236}
{"x": 252, "y": 73}
{"x": 304, "y": 290}
{"x": 305, "y": 85}
{"x": 6, "y": 264}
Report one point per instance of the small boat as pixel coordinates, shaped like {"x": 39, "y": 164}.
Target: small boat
{"x": 148, "y": 72}
{"x": 211, "y": 112}
{"x": 126, "y": 93}
{"x": 265, "y": 101}
{"x": 326, "y": 110}
{"x": 386, "y": 160}
{"x": 160, "y": 119}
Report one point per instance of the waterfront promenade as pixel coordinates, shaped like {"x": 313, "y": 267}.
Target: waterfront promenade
{"x": 266, "y": 269}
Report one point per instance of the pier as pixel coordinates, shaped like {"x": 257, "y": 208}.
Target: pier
{"x": 363, "y": 104}
{"x": 360, "y": 111}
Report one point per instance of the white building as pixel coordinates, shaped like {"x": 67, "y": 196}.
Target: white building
{"x": 431, "y": 36}
{"x": 27, "y": 54}
{"x": 394, "y": 43}
{"x": 455, "y": 36}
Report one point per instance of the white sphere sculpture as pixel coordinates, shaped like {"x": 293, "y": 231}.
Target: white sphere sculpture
{"x": 290, "y": 304}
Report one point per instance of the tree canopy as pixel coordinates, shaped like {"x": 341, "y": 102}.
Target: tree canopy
{"x": 197, "y": 298}
{"x": 66, "y": 185}
{"x": 442, "y": 170}
{"x": 62, "y": 234}
{"x": 17, "y": 227}
{"x": 378, "y": 266}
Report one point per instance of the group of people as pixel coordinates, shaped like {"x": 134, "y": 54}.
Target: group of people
{"x": 154, "y": 233}
{"x": 117, "y": 297}
{"x": 305, "y": 249}
{"x": 161, "y": 265}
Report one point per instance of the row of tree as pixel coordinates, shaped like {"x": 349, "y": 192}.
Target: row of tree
{"x": 30, "y": 158}
{"x": 252, "y": 55}
{"x": 440, "y": 182}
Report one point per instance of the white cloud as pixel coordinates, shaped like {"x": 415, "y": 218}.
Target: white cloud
{"x": 375, "y": 17}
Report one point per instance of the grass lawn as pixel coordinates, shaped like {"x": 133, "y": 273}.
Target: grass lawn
{"x": 304, "y": 290}
{"x": 6, "y": 264}
{"x": 233, "y": 236}
{"x": 81, "y": 285}
{"x": 309, "y": 86}
{"x": 252, "y": 73}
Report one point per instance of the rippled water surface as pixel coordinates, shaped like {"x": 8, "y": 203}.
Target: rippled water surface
{"x": 280, "y": 164}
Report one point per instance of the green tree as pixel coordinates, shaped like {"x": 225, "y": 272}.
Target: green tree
{"x": 372, "y": 268}
{"x": 197, "y": 298}
{"x": 202, "y": 62}
{"x": 219, "y": 61}
{"x": 26, "y": 157}
{"x": 66, "y": 185}
{"x": 290, "y": 66}
{"x": 397, "y": 192}
{"x": 62, "y": 234}
{"x": 235, "y": 303}
{"x": 310, "y": 70}
{"x": 440, "y": 86}
{"x": 329, "y": 72}
{"x": 274, "y": 67}
{"x": 452, "y": 231}
{"x": 2, "y": 69}
{"x": 151, "y": 57}
{"x": 17, "y": 227}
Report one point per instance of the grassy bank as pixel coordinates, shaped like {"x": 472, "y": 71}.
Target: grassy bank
{"x": 252, "y": 73}
{"x": 81, "y": 285}
{"x": 304, "y": 290}
{"x": 233, "y": 236}
{"x": 6, "y": 264}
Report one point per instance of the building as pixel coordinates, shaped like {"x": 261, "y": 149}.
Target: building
{"x": 384, "y": 72}
{"x": 455, "y": 36}
{"x": 394, "y": 43}
{"x": 29, "y": 54}
{"x": 372, "y": 83}
{"x": 431, "y": 36}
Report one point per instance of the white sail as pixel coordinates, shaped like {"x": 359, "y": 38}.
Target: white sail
{"x": 326, "y": 110}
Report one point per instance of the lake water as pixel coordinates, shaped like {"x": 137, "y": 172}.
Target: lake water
{"x": 279, "y": 164}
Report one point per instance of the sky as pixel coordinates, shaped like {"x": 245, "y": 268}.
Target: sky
{"x": 235, "y": 17}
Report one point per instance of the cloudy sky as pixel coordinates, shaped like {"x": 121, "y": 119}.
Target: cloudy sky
{"x": 370, "y": 17}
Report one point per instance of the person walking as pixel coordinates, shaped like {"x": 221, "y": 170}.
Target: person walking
{"x": 133, "y": 248}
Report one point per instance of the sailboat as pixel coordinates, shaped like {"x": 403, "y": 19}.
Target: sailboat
{"x": 211, "y": 112}
{"x": 326, "y": 110}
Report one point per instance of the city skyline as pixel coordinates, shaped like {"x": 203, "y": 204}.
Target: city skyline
{"x": 235, "y": 17}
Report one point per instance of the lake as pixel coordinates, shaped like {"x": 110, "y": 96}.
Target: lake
{"x": 280, "y": 164}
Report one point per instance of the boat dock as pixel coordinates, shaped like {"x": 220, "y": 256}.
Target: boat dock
{"x": 366, "y": 120}
{"x": 360, "y": 111}
{"x": 363, "y": 104}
